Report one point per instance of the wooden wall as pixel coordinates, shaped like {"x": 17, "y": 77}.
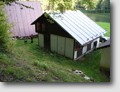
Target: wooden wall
{"x": 51, "y": 28}
{"x": 62, "y": 45}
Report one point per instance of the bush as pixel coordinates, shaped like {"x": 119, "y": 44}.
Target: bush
{"x": 6, "y": 42}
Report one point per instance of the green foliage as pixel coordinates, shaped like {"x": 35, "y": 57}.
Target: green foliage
{"x": 104, "y": 6}
{"x": 87, "y": 4}
{"x": 5, "y": 39}
{"x": 62, "y": 5}
{"x": 105, "y": 26}
{"x": 4, "y": 60}
{"x": 58, "y": 5}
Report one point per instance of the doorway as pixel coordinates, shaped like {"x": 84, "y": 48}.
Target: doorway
{"x": 47, "y": 41}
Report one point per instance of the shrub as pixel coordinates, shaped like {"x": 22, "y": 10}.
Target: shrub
{"x": 6, "y": 42}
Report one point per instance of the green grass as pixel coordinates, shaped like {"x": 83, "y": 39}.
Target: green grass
{"x": 30, "y": 63}
{"x": 105, "y": 26}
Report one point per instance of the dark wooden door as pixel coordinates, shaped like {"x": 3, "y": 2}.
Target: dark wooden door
{"x": 47, "y": 41}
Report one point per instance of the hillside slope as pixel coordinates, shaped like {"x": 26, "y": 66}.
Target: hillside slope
{"x": 29, "y": 63}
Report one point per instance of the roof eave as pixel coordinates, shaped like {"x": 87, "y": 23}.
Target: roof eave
{"x": 37, "y": 19}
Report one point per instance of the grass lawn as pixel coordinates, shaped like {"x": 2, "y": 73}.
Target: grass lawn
{"x": 30, "y": 63}
{"x": 105, "y": 26}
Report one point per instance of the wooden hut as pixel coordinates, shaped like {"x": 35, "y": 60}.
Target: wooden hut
{"x": 71, "y": 33}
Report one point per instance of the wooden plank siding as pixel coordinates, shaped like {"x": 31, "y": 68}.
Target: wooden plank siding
{"x": 54, "y": 43}
{"x": 69, "y": 47}
{"x": 41, "y": 40}
{"x": 62, "y": 45}
{"x": 53, "y": 28}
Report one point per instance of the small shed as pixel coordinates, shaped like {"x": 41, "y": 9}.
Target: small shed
{"x": 21, "y": 17}
{"x": 71, "y": 33}
{"x": 105, "y": 57}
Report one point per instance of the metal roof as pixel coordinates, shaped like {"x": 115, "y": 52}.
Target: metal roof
{"x": 78, "y": 25}
{"x": 21, "y": 17}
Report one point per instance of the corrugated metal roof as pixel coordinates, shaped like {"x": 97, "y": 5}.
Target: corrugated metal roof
{"x": 78, "y": 25}
{"x": 21, "y": 17}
